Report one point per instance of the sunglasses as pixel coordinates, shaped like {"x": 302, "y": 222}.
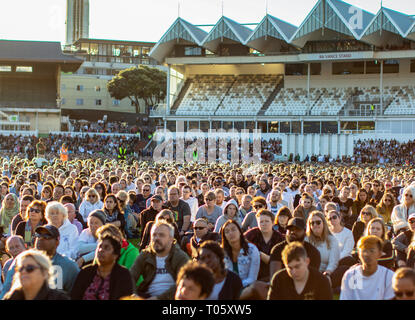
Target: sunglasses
{"x": 258, "y": 207}
{"x": 366, "y": 213}
{"x": 34, "y": 210}
{"x": 400, "y": 294}
{"x": 146, "y": 190}
{"x": 29, "y": 268}
{"x": 199, "y": 228}
{"x": 318, "y": 222}
{"x": 43, "y": 236}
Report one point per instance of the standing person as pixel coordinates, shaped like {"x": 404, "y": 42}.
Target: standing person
{"x": 57, "y": 215}
{"x": 209, "y": 210}
{"x": 159, "y": 264}
{"x": 64, "y": 153}
{"x": 194, "y": 282}
{"x": 403, "y": 284}
{"x": 319, "y": 235}
{"x": 241, "y": 256}
{"x": 228, "y": 285}
{"x": 298, "y": 281}
{"x": 264, "y": 237}
{"x": 64, "y": 269}
{"x": 402, "y": 211}
{"x": 368, "y": 280}
{"x": 180, "y": 209}
{"x": 32, "y": 278}
{"x": 105, "y": 280}
{"x": 296, "y": 231}
{"x": 40, "y": 148}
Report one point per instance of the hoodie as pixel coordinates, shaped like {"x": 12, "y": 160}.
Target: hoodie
{"x": 224, "y": 217}
{"x": 87, "y": 207}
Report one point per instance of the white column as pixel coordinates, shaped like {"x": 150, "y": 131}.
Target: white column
{"x": 381, "y": 87}
{"x": 168, "y": 91}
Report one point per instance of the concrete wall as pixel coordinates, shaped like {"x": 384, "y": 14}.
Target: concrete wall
{"x": 234, "y": 69}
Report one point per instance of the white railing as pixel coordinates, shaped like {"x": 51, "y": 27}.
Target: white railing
{"x": 18, "y": 133}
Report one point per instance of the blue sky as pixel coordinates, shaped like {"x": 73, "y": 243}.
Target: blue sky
{"x": 140, "y": 20}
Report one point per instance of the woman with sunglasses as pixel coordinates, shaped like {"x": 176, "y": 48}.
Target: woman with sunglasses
{"x": 31, "y": 281}
{"x": 366, "y": 214}
{"x": 401, "y": 212}
{"x": 209, "y": 210}
{"x": 385, "y": 207}
{"x": 34, "y": 217}
{"x": 250, "y": 221}
{"x": 90, "y": 203}
{"x": 319, "y": 235}
{"x": 343, "y": 235}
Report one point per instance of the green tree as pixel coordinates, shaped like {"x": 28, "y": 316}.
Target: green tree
{"x": 139, "y": 83}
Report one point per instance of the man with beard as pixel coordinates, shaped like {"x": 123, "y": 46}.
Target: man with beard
{"x": 296, "y": 228}
{"x": 159, "y": 264}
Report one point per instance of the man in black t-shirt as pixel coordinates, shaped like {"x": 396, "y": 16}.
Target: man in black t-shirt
{"x": 298, "y": 281}
{"x": 295, "y": 232}
{"x": 180, "y": 209}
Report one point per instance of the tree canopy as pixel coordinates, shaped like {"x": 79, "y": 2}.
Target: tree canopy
{"x": 139, "y": 83}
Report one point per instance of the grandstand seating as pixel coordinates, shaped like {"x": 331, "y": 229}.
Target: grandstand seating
{"x": 403, "y": 102}
{"x": 247, "y": 94}
{"x": 330, "y": 101}
{"x": 290, "y": 101}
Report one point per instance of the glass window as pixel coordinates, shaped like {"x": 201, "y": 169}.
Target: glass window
{"x": 373, "y": 67}
{"x": 311, "y": 127}
{"x": 115, "y": 102}
{"x": 193, "y": 125}
{"x": 412, "y": 66}
{"x": 250, "y": 125}
{"x": 239, "y": 125}
{"x": 79, "y": 87}
{"x": 329, "y": 127}
{"x": 227, "y": 125}
{"x": 24, "y": 69}
{"x": 295, "y": 69}
{"x": 356, "y": 67}
{"x": 366, "y": 125}
{"x": 5, "y": 68}
{"x": 192, "y": 51}
{"x": 216, "y": 125}
{"x": 273, "y": 126}
{"x": 296, "y": 127}
{"x": 348, "y": 125}
{"x": 79, "y": 102}
{"x": 98, "y": 102}
{"x": 204, "y": 126}
{"x": 391, "y": 66}
{"x": 262, "y": 125}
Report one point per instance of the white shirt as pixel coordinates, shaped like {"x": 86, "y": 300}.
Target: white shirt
{"x": 356, "y": 286}
{"x": 194, "y": 206}
{"x": 163, "y": 279}
{"x": 217, "y": 288}
{"x": 346, "y": 242}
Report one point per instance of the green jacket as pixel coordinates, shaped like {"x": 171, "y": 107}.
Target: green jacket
{"x": 128, "y": 256}
{"x": 145, "y": 266}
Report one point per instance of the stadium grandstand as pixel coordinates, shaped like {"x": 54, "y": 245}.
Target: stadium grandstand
{"x": 30, "y": 75}
{"x": 343, "y": 75}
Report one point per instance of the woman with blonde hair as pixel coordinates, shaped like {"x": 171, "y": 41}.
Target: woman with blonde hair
{"x": 90, "y": 203}
{"x": 319, "y": 235}
{"x": 367, "y": 213}
{"x": 33, "y": 271}
{"x": 385, "y": 207}
{"x": 401, "y": 212}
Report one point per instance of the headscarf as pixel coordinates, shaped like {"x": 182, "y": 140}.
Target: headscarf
{"x": 6, "y": 215}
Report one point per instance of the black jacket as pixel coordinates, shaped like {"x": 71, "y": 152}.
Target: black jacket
{"x": 232, "y": 287}
{"x": 45, "y": 293}
{"x": 121, "y": 283}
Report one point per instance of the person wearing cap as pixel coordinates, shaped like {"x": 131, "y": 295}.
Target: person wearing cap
{"x": 87, "y": 241}
{"x": 64, "y": 269}
{"x": 368, "y": 280}
{"x": 299, "y": 280}
{"x": 296, "y": 231}
{"x": 402, "y": 242}
{"x": 150, "y": 213}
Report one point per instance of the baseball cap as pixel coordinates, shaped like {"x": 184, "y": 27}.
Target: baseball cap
{"x": 411, "y": 216}
{"x": 296, "y": 222}
{"x": 50, "y": 229}
{"x": 156, "y": 197}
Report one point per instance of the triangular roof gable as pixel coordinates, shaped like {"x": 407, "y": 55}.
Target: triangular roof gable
{"x": 382, "y": 21}
{"x": 347, "y": 13}
{"x": 180, "y": 29}
{"x": 230, "y": 29}
{"x": 270, "y": 26}
{"x": 401, "y": 21}
{"x": 284, "y": 27}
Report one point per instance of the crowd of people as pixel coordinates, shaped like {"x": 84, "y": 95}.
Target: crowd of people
{"x": 101, "y": 229}
{"x": 101, "y": 126}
